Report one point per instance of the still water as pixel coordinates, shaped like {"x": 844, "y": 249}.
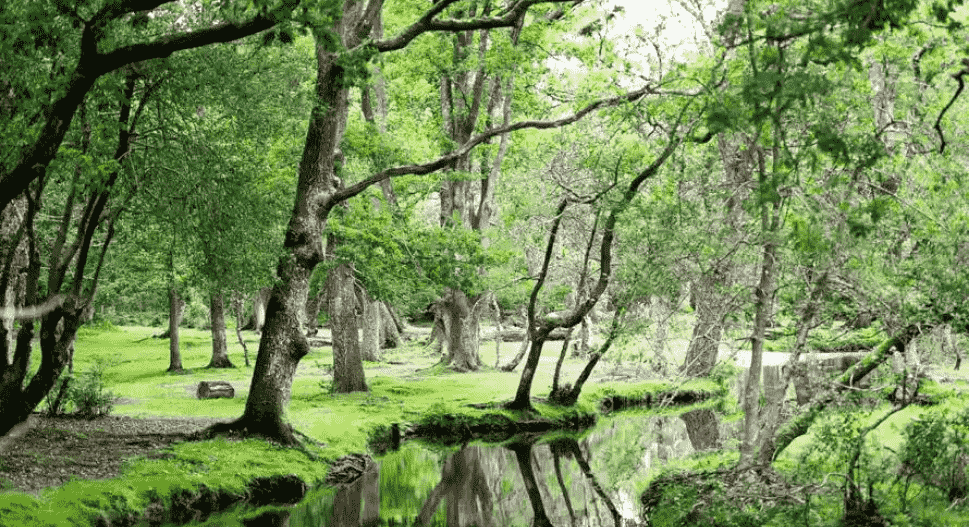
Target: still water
{"x": 561, "y": 481}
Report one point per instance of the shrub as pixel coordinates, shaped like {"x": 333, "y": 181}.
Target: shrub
{"x": 88, "y": 394}
{"x": 936, "y": 453}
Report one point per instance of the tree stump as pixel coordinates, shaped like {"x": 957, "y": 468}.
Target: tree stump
{"x": 215, "y": 390}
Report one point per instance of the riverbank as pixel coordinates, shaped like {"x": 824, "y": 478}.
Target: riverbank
{"x": 407, "y": 389}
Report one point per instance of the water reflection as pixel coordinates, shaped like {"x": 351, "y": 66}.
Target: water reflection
{"x": 591, "y": 481}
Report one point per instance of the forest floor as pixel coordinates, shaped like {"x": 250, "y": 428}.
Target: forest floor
{"x": 50, "y": 451}
{"x": 155, "y": 410}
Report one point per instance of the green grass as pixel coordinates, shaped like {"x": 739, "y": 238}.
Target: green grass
{"x": 134, "y": 366}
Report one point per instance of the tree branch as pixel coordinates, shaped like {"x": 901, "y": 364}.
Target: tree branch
{"x": 92, "y": 65}
{"x": 447, "y": 159}
{"x": 427, "y": 23}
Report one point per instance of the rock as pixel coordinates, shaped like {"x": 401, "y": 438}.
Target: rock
{"x": 215, "y": 390}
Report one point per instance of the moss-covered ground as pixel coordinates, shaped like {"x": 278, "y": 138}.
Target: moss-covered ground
{"x": 408, "y": 387}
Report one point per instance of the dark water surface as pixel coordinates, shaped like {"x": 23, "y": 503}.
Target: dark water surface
{"x": 561, "y": 481}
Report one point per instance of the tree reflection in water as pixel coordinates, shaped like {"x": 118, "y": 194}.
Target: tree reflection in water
{"x": 529, "y": 482}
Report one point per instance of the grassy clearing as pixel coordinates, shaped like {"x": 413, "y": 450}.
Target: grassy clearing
{"x": 406, "y": 388}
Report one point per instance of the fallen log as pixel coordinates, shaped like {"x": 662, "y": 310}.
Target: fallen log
{"x": 515, "y": 334}
{"x": 850, "y": 378}
{"x": 215, "y": 390}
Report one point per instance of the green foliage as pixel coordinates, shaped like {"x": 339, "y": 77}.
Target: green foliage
{"x": 935, "y": 453}
{"x": 408, "y": 262}
{"x": 89, "y": 394}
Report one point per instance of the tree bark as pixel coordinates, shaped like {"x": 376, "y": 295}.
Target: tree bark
{"x": 259, "y": 302}
{"x": 389, "y": 331}
{"x": 176, "y": 307}
{"x": 342, "y": 307}
{"x": 701, "y": 354}
{"x": 464, "y": 327}
{"x": 220, "y": 347}
{"x": 703, "y": 429}
{"x": 370, "y": 324}
{"x": 313, "y": 307}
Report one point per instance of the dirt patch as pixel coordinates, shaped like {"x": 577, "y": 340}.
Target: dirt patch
{"x": 53, "y": 450}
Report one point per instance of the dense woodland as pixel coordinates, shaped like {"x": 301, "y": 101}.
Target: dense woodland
{"x": 550, "y": 167}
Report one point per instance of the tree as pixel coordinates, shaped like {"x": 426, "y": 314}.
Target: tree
{"x": 341, "y": 51}
{"x": 55, "y": 58}
{"x": 540, "y": 329}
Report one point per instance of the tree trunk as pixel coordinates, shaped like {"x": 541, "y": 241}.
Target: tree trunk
{"x": 463, "y": 328}
{"x": 220, "y": 347}
{"x": 313, "y": 307}
{"x": 523, "y": 395}
{"x": 259, "y": 302}
{"x": 701, "y": 355}
{"x": 237, "y": 305}
{"x": 176, "y": 307}
{"x": 342, "y": 306}
{"x": 389, "y": 331}
{"x": 762, "y": 314}
{"x": 703, "y": 429}
{"x": 370, "y": 328}
{"x": 283, "y": 343}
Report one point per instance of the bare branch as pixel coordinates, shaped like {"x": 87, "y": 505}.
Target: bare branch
{"x": 427, "y": 22}
{"x": 31, "y": 312}
{"x": 938, "y": 122}
{"x": 449, "y": 158}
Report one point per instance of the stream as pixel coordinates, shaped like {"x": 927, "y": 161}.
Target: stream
{"x": 550, "y": 480}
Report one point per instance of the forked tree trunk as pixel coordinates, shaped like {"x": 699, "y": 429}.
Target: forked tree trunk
{"x": 220, "y": 347}
{"x": 348, "y": 373}
{"x": 176, "y": 307}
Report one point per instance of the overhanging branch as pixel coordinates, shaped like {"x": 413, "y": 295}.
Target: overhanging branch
{"x": 447, "y": 159}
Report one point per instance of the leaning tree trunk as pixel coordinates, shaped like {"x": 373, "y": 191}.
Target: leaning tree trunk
{"x": 283, "y": 344}
{"x": 176, "y": 307}
{"x": 220, "y": 347}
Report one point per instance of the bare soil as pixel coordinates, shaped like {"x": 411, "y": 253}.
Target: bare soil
{"x": 49, "y": 451}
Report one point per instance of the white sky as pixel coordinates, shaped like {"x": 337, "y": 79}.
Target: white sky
{"x": 680, "y": 32}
